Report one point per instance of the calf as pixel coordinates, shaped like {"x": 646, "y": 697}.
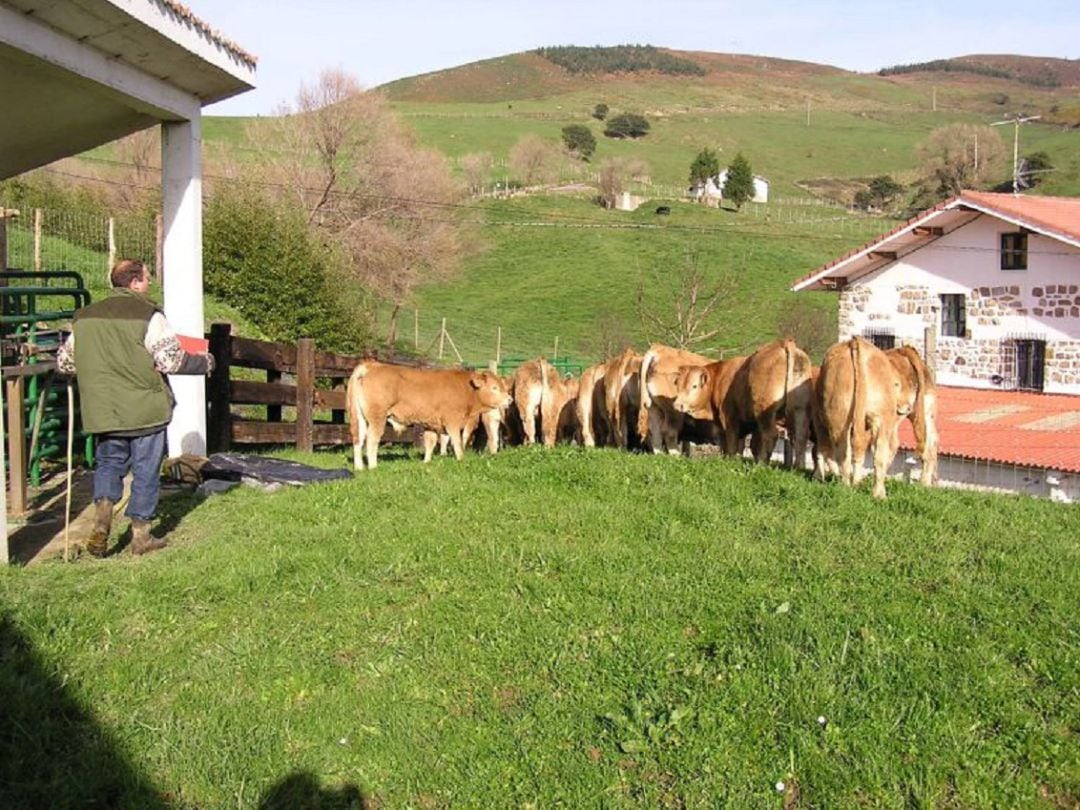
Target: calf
{"x": 438, "y": 400}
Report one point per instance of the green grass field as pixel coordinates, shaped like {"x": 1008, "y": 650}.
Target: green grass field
{"x": 563, "y": 267}
{"x": 561, "y": 628}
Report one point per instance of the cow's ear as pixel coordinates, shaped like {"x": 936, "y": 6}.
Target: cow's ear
{"x": 476, "y": 380}
{"x": 703, "y": 378}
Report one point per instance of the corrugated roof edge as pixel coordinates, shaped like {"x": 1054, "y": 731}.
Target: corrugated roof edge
{"x": 185, "y": 14}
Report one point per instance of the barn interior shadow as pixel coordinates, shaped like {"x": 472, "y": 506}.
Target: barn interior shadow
{"x": 302, "y": 790}
{"x": 53, "y": 753}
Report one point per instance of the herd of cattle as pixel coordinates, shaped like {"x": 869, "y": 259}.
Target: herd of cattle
{"x": 663, "y": 400}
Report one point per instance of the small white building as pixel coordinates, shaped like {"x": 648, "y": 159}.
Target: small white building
{"x": 713, "y": 190}
{"x": 987, "y": 287}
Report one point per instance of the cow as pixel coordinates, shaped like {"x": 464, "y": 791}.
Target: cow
{"x": 658, "y": 423}
{"x": 861, "y": 395}
{"x": 622, "y": 397}
{"x": 558, "y": 411}
{"x": 591, "y": 406}
{"x": 528, "y": 388}
{"x": 438, "y": 400}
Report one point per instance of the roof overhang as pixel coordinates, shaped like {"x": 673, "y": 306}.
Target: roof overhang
{"x": 80, "y": 73}
{"x": 914, "y": 234}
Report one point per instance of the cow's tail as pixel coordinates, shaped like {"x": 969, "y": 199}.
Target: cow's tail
{"x": 789, "y": 375}
{"x": 354, "y": 402}
{"x": 858, "y": 406}
{"x": 645, "y": 396}
{"x": 923, "y": 415}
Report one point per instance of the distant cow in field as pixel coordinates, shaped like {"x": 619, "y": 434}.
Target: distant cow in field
{"x": 438, "y": 400}
{"x": 658, "y": 423}
{"x": 750, "y": 395}
{"x": 663, "y": 210}
{"x": 861, "y": 395}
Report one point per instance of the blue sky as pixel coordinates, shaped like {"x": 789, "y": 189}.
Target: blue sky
{"x": 379, "y": 41}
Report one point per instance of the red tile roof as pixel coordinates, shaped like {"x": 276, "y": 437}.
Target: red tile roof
{"x": 1055, "y": 216}
{"x": 1059, "y": 215}
{"x": 1010, "y": 427}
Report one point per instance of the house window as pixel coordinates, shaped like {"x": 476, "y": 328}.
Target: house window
{"x": 1030, "y": 362}
{"x": 1014, "y": 251}
{"x": 883, "y": 340}
{"x": 952, "y": 315}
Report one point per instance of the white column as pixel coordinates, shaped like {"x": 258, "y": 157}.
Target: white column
{"x": 181, "y": 188}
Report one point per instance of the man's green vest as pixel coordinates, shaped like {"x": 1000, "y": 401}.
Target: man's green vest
{"x": 119, "y": 388}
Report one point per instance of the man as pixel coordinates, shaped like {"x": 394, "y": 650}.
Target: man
{"x": 120, "y": 350}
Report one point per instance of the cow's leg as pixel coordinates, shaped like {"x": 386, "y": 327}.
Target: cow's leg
{"x": 766, "y": 435}
{"x": 376, "y": 426}
{"x": 431, "y": 438}
{"x": 798, "y": 435}
{"x": 885, "y": 446}
{"x": 443, "y": 439}
{"x": 861, "y": 442}
{"x": 456, "y": 441}
{"x": 360, "y": 430}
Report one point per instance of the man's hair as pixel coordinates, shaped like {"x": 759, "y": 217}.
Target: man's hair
{"x": 126, "y": 271}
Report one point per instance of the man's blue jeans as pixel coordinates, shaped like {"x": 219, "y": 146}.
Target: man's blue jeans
{"x": 142, "y": 455}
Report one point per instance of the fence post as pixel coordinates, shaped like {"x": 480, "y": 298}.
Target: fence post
{"x": 112, "y": 244}
{"x": 416, "y": 329}
{"x": 16, "y": 445}
{"x": 4, "y": 213}
{"x": 219, "y": 428}
{"x": 159, "y": 247}
{"x": 442, "y": 338}
{"x": 555, "y": 354}
{"x": 37, "y": 240}
{"x": 305, "y": 395}
{"x": 498, "y": 345}
{"x": 931, "y": 348}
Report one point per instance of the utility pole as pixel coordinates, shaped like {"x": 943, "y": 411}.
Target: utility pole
{"x": 1016, "y": 121}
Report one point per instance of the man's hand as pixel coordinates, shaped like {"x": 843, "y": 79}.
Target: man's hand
{"x": 210, "y": 365}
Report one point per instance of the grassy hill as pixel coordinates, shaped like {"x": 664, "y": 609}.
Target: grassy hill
{"x": 563, "y": 628}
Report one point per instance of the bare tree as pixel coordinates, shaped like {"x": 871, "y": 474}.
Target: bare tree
{"x": 687, "y": 315}
{"x": 476, "y": 166}
{"x": 960, "y": 156}
{"x": 378, "y": 197}
{"x": 534, "y": 160}
{"x": 611, "y": 181}
{"x": 813, "y": 327}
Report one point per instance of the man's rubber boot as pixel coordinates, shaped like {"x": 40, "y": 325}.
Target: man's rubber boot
{"x": 98, "y": 543}
{"x": 141, "y": 541}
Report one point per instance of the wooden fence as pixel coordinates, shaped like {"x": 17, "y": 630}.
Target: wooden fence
{"x": 304, "y": 366}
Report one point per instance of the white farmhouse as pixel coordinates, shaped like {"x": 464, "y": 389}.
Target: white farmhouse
{"x": 713, "y": 190}
{"x": 987, "y": 287}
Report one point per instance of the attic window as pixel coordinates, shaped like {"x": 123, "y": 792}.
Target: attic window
{"x": 1014, "y": 251}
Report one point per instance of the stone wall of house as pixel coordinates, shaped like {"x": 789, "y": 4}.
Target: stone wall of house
{"x": 987, "y": 305}
{"x": 1056, "y": 301}
{"x": 980, "y": 360}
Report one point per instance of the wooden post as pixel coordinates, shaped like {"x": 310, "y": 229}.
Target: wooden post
{"x": 219, "y": 421}
{"x": 305, "y": 395}
{"x": 442, "y": 337}
{"x": 273, "y": 412}
{"x": 37, "y": 240}
{"x": 498, "y": 346}
{"x": 555, "y": 354}
{"x": 3, "y": 239}
{"x": 159, "y": 248}
{"x": 16, "y": 446}
{"x": 930, "y": 352}
{"x": 112, "y": 244}
{"x": 416, "y": 329}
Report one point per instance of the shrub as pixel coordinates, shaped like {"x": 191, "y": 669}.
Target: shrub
{"x": 261, "y": 257}
{"x": 627, "y": 125}
{"x": 600, "y": 112}
{"x": 579, "y": 140}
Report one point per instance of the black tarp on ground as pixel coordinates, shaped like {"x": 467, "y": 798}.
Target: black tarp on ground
{"x": 267, "y": 470}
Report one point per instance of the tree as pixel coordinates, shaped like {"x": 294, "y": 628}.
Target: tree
{"x": 476, "y": 166}
{"x": 809, "y": 318}
{"x": 611, "y": 180}
{"x": 705, "y": 166}
{"x": 739, "y": 185}
{"x": 689, "y": 313}
{"x": 579, "y": 140}
{"x": 1033, "y": 169}
{"x": 959, "y": 156}
{"x": 342, "y": 157}
{"x": 533, "y": 160}
{"x": 627, "y": 125}
{"x": 600, "y": 112}
{"x": 880, "y": 192}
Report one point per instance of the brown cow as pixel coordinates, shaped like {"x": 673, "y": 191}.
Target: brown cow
{"x": 748, "y": 395}
{"x": 591, "y": 406}
{"x": 622, "y": 397}
{"x": 862, "y": 394}
{"x": 437, "y": 400}
{"x": 545, "y": 401}
{"x": 659, "y": 424}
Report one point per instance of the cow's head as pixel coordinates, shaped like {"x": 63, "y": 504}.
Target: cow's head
{"x": 693, "y": 387}
{"x": 492, "y": 390}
